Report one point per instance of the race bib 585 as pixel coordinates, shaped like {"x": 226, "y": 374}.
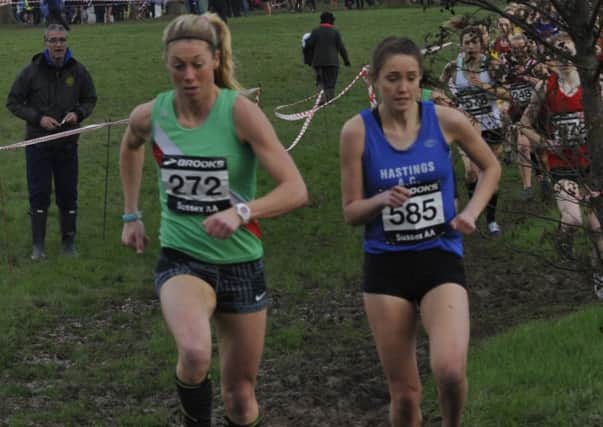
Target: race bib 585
{"x": 420, "y": 218}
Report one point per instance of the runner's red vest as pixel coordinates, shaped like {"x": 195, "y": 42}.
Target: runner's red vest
{"x": 558, "y": 104}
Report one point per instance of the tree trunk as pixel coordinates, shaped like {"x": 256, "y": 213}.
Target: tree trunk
{"x": 579, "y": 21}
{"x": 6, "y": 14}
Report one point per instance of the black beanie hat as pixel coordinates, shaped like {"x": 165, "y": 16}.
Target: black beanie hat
{"x": 327, "y": 18}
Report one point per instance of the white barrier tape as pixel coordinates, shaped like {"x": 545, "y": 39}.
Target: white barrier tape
{"x": 304, "y": 114}
{"x": 348, "y": 87}
{"x": 293, "y": 116}
{"x": 435, "y": 48}
{"x": 63, "y": 134}
{"x": 304, "y": 127}
{"x": 363, "y": 73}
{"x": 371, "y": 91}
{"x": 309, "y": 114}
{"x": 258, "y": 94}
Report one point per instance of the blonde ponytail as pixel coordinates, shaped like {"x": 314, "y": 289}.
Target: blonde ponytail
{"x": 225, "y": 73}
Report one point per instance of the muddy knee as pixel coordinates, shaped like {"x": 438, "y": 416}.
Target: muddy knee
{"x": 406, "y": 402}
{"x": 239, "y": 400}
{"x": 450, "y": 380}
{"x": 193, "y": 363}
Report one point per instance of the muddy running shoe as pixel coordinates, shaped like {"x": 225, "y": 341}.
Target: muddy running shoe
{"x": 494, "y": 229}
{"x": 526, "y": 194}
{"x": 598, "y": 285}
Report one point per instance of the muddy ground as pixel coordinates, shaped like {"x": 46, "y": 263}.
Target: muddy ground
{"x": 337, "y": 382}
{"x": 336, "y": 379}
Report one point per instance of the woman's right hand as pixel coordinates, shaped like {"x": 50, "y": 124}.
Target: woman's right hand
{"x": 395, "y": 196}
{"x": 49, "y": 123}
{"x": 133, "y": 236}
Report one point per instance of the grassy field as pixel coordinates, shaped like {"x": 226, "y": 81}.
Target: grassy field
{"x": 542, "y": 373}
{"x": 82, "y": 341}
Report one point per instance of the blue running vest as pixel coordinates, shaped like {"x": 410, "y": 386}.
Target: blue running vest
{"x": 425, "y": 167}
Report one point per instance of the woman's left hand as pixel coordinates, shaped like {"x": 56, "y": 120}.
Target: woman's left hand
{"x": 70, "y": 118}
{"x": 463, "y": 223}
{"x": 223, "y": 224}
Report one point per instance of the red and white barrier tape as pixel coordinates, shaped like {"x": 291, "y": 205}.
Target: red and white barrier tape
{"x": 303, "y": 114}
{"x": 309, "y": 118}
{"x": 371, "y": 91}
{"x": 293, "y": 116}
{"x": 433, "y": 49}
{"x": 309, "y": 114}
{"x": 63, "y": 134}
{"x": 258, "y": 94}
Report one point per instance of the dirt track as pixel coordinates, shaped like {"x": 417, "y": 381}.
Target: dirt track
{"x": 335, "y": 379}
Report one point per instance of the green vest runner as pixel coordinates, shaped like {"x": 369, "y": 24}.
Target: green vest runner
{"x": 203, "y": 171}
{"x": 426, "y": 94}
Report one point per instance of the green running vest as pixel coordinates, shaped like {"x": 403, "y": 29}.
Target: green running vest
{"x": 183, "y": 156}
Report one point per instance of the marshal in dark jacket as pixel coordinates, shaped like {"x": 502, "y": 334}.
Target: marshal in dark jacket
{"x": 325, "y": 45}
{"x": 322, "y": 50}
{"x": 42, "y": 89}
{"x": 52, "y": 96}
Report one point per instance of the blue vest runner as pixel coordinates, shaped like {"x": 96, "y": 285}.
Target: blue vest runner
{"x": 426, "y": 169}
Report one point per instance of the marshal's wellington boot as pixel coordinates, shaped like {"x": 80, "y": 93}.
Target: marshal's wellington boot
{"x": 38, "y": 234}
{"x": 67, "y": 220}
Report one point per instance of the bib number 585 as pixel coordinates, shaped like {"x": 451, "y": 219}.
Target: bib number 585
{"x": 414, "y": 212}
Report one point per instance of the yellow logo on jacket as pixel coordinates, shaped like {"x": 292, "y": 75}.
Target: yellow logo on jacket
{"x": 70, "y": 81}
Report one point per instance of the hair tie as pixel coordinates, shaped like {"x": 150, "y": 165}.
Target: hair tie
{"x": 191, "y": 37}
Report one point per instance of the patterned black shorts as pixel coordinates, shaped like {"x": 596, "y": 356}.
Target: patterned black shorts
{"x": 240, "y": 287}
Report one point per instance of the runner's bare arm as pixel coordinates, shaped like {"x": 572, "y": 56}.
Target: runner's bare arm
{"x": 131, "y": 155}
{"x": 253, "y": 127}
{"x": 440, "y": 98}
{"x": 357, "y": 209}
{"x": 531, "y": 114}
{"x": 456, "y": 127}
{"x": 496, "y": 89}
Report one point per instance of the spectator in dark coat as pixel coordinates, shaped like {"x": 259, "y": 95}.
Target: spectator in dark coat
{"x": 219, "y": 7}
{"x": 55, "y": 13}
{"x": 53, "y": 93}
{"x": 324, "y": 47}
{"x": 99, "y": 11}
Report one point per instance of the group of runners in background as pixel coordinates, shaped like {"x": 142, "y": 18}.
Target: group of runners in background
{"x": 525, "y": 95}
